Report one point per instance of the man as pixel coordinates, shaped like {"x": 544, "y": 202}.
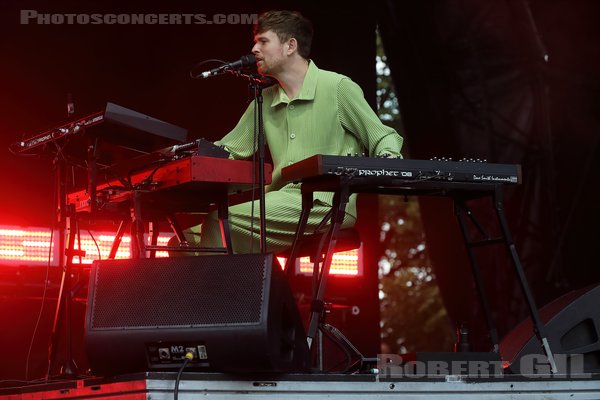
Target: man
{"x": 310, "y": 111}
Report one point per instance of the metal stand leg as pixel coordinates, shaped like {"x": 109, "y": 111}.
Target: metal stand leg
{"x": 154, "y": 231}
{"x": 223, "y": 212}
{"x": 460, "y": 210}
{"x": 307, "y": 201}
{"x": 340, "y": 200}
{"x": 317, "y": 328}
{"x": 68, "y": 228}
{"x": 138, "y": 245}
{"x": 68, "y": 368}
{"x": 118, "y": 237}
{"x": 177, "y": 230}
{"x": 539, "y": 329}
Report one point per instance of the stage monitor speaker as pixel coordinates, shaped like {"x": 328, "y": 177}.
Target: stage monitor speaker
{"x": 234, "y": 313}
{"x": 572, "y": 324}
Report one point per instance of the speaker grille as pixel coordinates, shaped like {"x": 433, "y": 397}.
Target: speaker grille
{"x": 179, "y": 292}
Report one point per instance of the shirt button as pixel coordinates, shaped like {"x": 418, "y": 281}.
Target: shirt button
{"x": 291, "y": 107}
{"x": 293, "y": 136}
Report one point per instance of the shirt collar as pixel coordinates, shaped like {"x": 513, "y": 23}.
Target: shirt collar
{"x": 308, "y": 87}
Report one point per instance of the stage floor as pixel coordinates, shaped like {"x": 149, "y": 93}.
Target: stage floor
{"x": 160, "y": 385}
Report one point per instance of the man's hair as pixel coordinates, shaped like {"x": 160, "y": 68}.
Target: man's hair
{"x": 287, "y": 25}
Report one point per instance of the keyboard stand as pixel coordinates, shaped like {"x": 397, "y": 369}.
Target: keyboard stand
{"x": 146, "y": 208}
{"x": 460, "y": 192}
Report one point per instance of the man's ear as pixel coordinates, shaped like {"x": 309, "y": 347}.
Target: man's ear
{"x": 291, "y": 45}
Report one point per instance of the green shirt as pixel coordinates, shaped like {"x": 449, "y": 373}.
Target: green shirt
{"x": 329, "y": 116}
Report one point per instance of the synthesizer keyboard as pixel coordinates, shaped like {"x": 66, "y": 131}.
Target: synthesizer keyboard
{"x": 404, "y": 169}
{"x": 193, "y": 179}
{"x": 116, "y": 125}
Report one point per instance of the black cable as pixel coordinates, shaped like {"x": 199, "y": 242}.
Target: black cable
{"x": 338, "y": 338}
{"x": 23, "y": 383}
{"x": 20, "y": 382}
{"x": 60, "y": 155}
{"x": 44, "y": 293}
{"x": 189, "y": 356}
{"x": 12, "y": 151}
{"x": 147, "y": 180}
{"x": 202, "y": 63}
{"x": 96, "y": 243}
{"x": 347, "y": 360}
{"x": 37, "y": 322}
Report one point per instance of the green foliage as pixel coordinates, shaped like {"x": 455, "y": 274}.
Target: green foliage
{"x": 413, "y": 317}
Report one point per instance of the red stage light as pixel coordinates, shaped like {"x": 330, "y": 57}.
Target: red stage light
{"x": 31, "y": 246}
{"x": 26, "y": 246}
{"x": 345, "y": 263}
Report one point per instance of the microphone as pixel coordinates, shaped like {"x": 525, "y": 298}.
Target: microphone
{"x": 243, "y": 62}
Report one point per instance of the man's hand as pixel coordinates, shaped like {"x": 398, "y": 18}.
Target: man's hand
{"x": 388, "y": 155}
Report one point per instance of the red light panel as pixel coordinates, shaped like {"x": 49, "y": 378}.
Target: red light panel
{"x": 105, "y": 241}
{"x": 345, "y": 263}
{"x": 31, "y": 246}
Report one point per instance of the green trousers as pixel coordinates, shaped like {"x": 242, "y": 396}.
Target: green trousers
{"x": 282, "y": 210}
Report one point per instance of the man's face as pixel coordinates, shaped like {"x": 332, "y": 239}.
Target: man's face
{"x": 270, "y": 53}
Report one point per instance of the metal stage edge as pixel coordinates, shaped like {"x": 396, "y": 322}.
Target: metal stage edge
{"x": 194, "y": 385}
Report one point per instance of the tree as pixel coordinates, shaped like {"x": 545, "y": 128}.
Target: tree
{"x": 413, "y": 317}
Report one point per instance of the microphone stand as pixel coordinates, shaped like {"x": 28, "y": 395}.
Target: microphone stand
{"x": 67, "y": 227}
{"x": 256, "y": 84}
